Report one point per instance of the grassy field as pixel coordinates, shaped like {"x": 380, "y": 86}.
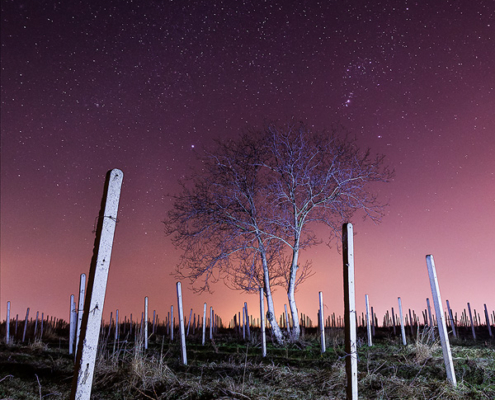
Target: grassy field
{"x": 229, "y": 368}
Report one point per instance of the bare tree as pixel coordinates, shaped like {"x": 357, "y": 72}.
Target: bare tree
{"x": 316, "y": 177}
{"x": 246, "y": 218}
{"x": 219, "y": 220}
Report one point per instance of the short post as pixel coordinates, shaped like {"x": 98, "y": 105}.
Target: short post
{"x": 322, "y": 324}
{"x": 182, "y": 331}
{"x": 349, "y": 311}
{"x": 7, "y": 331}
{"x": 189, "y": 322}
{"x": 393, "y": 320}
{"x": 247, "y": 322}
{"x": 442, "y": 328}
{"x": 402, "y": 329}
{"x": 80, "y": 310}
{"x": 204, "y": 325}
{"x": 262, "y": 320}
{"x": 368, "y": 325}
{"x": 97, "y": 284}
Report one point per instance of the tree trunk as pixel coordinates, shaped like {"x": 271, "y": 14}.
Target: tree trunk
{"x": 291, "y": 295}
{"x": 270, "y": 315}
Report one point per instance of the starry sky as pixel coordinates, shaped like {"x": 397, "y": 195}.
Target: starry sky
{"x": 88, "y": 86}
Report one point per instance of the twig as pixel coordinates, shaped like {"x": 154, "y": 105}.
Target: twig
{"x": 39, "y": 385}
{"x": 5, "y": 377}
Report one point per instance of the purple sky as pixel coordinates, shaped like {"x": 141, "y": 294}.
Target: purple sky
{"x": 141, "y": 86}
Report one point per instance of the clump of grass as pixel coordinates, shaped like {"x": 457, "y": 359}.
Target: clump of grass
{"x": 425, "y": 345}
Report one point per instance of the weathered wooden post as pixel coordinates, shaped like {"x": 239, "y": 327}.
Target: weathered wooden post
{"x": 204, "y": 325}
{"x": 25, "y": 325}
{"x": 402, "y": 328}
{"x": 262, "y": 321}
{"x": 80, "y": 310}
{"x": 349, "y": 311}
{"x": 393, "y": 320}
{"x": 368, "y": 324}
{"x": 181, "y": 325}
{"x": 487, "y": 321}
{"x": 97, "y": 283}
{"x": 471, "y": 320}
{"x": 322, "y": 324}
{"x": 442, "y": 328}
{"x": 72, "y": 324}
{"x": 7, "y": 324}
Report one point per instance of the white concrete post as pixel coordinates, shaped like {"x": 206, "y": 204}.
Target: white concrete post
{"x": 402, "y": 329}
{"x": 442, "y": 328}
{"x": 204, "y": 325}
{"x": 7, "y": 332}
{"x": 181, "y": 325}
{"x": 350, "y": 311}
{"x": 25, "y": 326}
{"x": 80, "y": 311}
{"x": 368, "y": 324}
{"x": 262, "y": 320}
{"x": 72, "y": 324}
{"x": 146, "y": 323}
{"x": 322, "y": 324}
{"x": 97, "y": 284}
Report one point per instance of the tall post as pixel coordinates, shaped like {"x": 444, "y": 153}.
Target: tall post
{"x": 471, "y": 320}
{"x": 442, "y": 328}
{"x": 247, "y": 322}
{"x": 189, "y": 322}
{"x": 182, "y": 331}
{"x": 262, "y": 320}
{"x": 349, "y": 311}
{"x": 322, "y": 324}
{"x": 97, "y": 284}
{"x": 80, "y": 309}
{"x": 402, "y": 328}
{"x": 368, "y": 324}
{"x": 172, "y": 323}
{"x": 204, "y": 325}
{"x": 7, "y": 331}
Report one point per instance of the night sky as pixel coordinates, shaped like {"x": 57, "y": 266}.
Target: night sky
{"x": 142, "y": 86}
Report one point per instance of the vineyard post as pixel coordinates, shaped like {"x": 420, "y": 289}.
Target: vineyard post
{"x": 211, "y": 322}
{"x": 189, "y": 322}
{"x": 452, "y": 323}
{"x": 322, "y": 324}
{"x": 247, "y": 322}
{"x": 145, "y": 323}
{"x": 7, "y": 332}
{"x": 25, "y": 325}
{"x": 442, "y": 328}
{"x": 82, "y": 286}
{"x": 72, "y": 324}
{"x": 393, "y": 320}
{"x": 488, "y": 322}
{"x": 402, "y": 329}
{"x": 262, "y": 321}
{"x": 97, "y": 283}
{"x": 181, "y": 325}
{"x": 368, "y": 325}
{"x": 349, "y": 312}
{"x": 204, "y": 325}
{"x": 471, "y": 320}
